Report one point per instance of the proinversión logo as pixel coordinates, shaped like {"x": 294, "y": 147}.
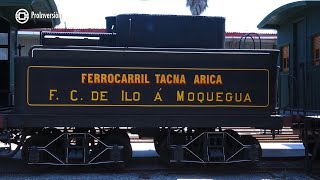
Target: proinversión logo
{"x": 22, "y": 15}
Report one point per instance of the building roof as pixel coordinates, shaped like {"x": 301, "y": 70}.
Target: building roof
{"x": 8, "y": 10}
{"x": 284, "y": 13}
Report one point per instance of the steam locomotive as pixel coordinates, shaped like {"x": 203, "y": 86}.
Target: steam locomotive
{"x": 167, "y": 77}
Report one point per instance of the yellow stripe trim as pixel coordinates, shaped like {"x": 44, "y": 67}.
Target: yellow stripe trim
{"x": 145, "y": 105}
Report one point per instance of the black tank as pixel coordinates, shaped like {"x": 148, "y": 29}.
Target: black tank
{"x": 167, "y": 31}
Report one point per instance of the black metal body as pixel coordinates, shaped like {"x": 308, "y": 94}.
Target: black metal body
{"x": 169, "y": 31}
{"x": 241, "y": 70}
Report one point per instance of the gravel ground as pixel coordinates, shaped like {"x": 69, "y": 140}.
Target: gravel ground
{"x": 160, "y": 176}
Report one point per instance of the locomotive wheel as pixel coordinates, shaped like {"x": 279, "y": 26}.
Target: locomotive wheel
{"x": 164, "y": 152}
{"x": 311, "y": 145}
{"x": 43, "y": 138}
{"x": 122, "y": 134}
{"x": 120, "y": 140}
{"x": 250, "y": 140}
{"x": 35, "y": 140}
{"x": 164, "y": 149}
{"x": 233, "y": 134}
{"x": 51, "y": 131}
{"x": 231, "y": 144}
{"x": 157, "y": 142}
{"x": 311, "y": 149}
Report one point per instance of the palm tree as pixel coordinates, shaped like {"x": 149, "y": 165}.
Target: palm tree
{"x": 197, "y": 7}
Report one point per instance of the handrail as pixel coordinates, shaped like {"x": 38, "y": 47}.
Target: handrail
{"x": 250, "y": 35}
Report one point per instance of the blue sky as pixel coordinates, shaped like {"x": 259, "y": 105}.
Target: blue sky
{"x": 241, "y": 15}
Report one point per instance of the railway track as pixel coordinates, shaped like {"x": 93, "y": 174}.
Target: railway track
{"x": 153, "y": 164}
{"x": 149, "y": 165}
{"x": 285, "y": 135}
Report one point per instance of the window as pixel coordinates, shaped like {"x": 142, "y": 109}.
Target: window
{"x": 316, "y": 50}
{"x": 3, "y": 54}
{"x": 3, "y": 46}
{"x": 285, "y": 58}
{"x": 3, "y": 38}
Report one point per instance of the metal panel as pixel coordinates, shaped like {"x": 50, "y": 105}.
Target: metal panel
{"x": 313, "y": 89}
{"x": 300, "y": 62}
{"x": 316, "y": 94}
{"x": 284, "y": 91}
{"x": 194, "y": 114}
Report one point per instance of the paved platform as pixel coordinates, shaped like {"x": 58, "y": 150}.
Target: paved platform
{"x": 282, "y": 149}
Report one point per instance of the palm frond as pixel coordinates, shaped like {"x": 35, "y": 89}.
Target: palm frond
{"x": 197, "y": 7}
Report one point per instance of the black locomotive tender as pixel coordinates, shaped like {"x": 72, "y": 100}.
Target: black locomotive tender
{"x": 165, "y": 77}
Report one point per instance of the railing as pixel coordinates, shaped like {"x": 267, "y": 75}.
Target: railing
{"x": 252, "y": 38}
